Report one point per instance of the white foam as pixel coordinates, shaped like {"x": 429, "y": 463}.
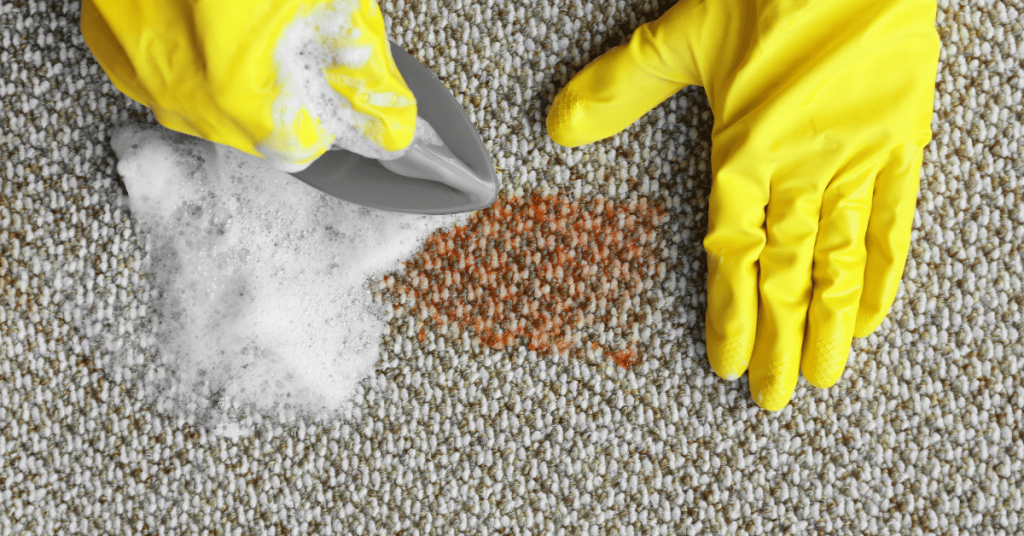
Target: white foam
{"x": 263, "y": 280}
{"x": 426, "y": 134}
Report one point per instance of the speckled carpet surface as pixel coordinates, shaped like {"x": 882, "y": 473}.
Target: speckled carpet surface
{"x": 536, "y": 429}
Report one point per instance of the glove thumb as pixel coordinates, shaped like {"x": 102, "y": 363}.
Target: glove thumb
{"x": 625, "y": 83}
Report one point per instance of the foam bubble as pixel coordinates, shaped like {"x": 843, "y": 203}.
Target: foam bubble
{"x": 263, "y": 297}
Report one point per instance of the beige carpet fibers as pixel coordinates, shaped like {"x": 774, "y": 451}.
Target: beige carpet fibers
{"x": 455, "y": 434}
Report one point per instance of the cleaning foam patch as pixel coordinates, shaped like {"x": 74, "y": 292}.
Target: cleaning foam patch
{"x": 262, "y": 281}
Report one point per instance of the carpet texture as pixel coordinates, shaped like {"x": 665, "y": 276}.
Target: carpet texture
{"x": 536, "y": 429}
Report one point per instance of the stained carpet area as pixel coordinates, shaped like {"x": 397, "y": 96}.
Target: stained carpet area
{"x": 535, "y": 428}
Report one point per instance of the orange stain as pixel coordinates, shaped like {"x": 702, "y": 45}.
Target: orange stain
{"x": 532, "y": 270}
{"x": 625, "y": 358}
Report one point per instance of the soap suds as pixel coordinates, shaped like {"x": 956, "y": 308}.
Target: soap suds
{"x": 262, "y": 281}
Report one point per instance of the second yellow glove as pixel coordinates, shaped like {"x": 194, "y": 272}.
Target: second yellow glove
{"x": 822, "y": 110}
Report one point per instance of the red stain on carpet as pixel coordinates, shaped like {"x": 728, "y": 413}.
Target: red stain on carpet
{"x": 535, "y": 271}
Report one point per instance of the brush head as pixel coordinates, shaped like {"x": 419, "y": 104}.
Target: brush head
{"x": 431, "y": 183}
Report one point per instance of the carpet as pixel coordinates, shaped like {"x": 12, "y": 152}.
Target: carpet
{"x": 608, "y": 420}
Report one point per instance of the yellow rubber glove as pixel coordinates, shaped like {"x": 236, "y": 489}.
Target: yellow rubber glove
{"x": 822, "y": 110}
{"x": 282, "y": 79}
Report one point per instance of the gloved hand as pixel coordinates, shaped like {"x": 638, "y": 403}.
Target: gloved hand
{"x": 283, "y": 79}
{"x": 822, "y": 110}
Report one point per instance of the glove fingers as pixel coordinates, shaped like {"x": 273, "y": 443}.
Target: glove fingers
{"x": 734, "y": 242}
{"x": 838, "y": 275}
{"x": 785, "y": 285}
{"x": 888, "y": 234}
